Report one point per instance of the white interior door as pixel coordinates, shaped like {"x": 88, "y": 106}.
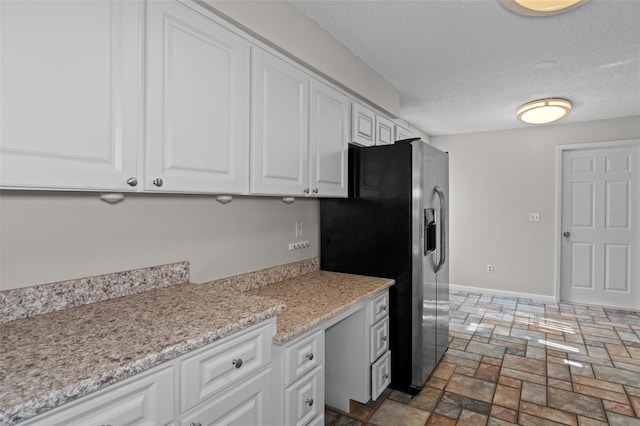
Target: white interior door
{"x": 600, "y": 221}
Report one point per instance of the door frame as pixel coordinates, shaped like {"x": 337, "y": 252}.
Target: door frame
{"x": 560, "y": 149}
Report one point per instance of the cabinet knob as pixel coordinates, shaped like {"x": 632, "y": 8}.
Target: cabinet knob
{"x": 306, "y": 190}
{"x": 237, "y": 362}
{"x": 315, "y": 190}
{"x": 386, "y": 376}
{"x": 158, "y": 182}
{"x": 384, "y": 338}
{"x": 309, "y": 356}
{"x": 383, "y": 308}
{"x": 132, "y": 181}
{"x": 566, "y": 234}
{"x": 309, "y": 402}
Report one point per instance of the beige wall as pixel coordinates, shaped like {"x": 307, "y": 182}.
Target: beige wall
{"x": 53, "y": 236}
{"x": 281, "y": 24}
{"x": 496, "y": 179}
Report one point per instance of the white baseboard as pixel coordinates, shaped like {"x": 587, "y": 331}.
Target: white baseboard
{"x": 493, "y": 291}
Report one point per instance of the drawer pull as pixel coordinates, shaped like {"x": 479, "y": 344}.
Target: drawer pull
{"x": 386, "y": 376}
{"x": 237, "y": 362}
{"x": 383, "y": 308}
{"x": 309, "y": 402}
{"x": 195, "y": 424}
{"x": 309, "y": 356}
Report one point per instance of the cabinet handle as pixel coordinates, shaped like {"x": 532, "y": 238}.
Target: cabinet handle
{"x": 309, "y": 356}
{"x": 237, "y": 362}
{"x": 309, "y": 402}
{"x": 132, "y": 181}
{"x": 195, "y": 424}
{"x": 158, "y": 182}
{"x": 306, "y": 190}
{"x": 386, "y": 376}
{"x": 315, "y": 190}
{"x": 383, "y": 308}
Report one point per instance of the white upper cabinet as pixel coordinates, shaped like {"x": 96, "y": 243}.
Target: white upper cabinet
{"x": 369, "y": 128}
{"x": 197, "y": 103}
{"x": 384, "y": 130}
{"x": 70, "y": 94}
{"x": 280, "y": 127}
{"x": 403, "y": 133}
{"x": 363, "y": 125}
{"x": 329, "y": 136}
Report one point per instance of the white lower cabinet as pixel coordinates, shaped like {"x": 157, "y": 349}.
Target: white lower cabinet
{"x": 304, "y": 400}
{"x": 228, "y": 382}
{"x": 246, "y": 404}
{"x": 206, "y": 372}
{"x": 379, "y": 353}
{"x": 298, "y": 382}
{"x": 380, "y": 375}
{"x": 145, "y": 400}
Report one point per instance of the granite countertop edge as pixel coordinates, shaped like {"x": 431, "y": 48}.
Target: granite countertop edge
{"x": 283, "y": 339}
{"x": 55, "y": 399}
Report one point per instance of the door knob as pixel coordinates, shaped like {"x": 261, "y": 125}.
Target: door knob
{"x": 566, "y": 234}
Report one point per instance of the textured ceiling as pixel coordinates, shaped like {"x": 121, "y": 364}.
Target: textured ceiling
{"x": 466, "y": 65}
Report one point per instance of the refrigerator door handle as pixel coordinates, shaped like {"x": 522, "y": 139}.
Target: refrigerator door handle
{"x": 443, "y": 239}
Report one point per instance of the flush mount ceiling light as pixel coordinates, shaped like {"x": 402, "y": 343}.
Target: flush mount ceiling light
{"x": 544, "y": 111}
{"x": 541, "y": 7}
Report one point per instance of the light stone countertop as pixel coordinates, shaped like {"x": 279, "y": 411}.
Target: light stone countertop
{"x": 314, "y": 298}
{"x": 51, "y": 359}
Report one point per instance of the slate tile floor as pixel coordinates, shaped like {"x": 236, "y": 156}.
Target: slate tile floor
{"x": 519, "y": 361}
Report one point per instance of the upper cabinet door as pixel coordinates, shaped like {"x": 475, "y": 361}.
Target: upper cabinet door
{"x": 280, "y": 128}
{"x": 197, "y": 102}
{"x": 70, "y": 95}
{"x": 403, "y": 133}
{"x": 384, "y": 130}
{"x": 363, "y": 125}
{"x": 328, "y": 140}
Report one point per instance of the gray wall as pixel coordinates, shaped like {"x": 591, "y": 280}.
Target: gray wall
{"x": 53, "y": 236}
{"x": 496, "y": 179}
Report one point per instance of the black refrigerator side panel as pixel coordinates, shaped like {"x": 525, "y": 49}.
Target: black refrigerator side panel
{"x": 370, "y": 234}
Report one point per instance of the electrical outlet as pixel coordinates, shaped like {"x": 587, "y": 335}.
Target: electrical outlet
{"x": 489, "y": 268}
{"x": 298, "y": 228}
{"x": 298, "y": 245}
{"x": 534, "y": 217}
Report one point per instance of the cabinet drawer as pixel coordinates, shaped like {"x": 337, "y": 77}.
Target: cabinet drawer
{"x": 380, "y": 375}
{"x": 139, "y": 401}
{"x": 246, "y": 404}
{"x": 379, "y": 307}
{"x": 303, "y": 357}
{"x": 212, "y": 369}
{"x": 379, "y": 339}
{"x": 304, "y": 400}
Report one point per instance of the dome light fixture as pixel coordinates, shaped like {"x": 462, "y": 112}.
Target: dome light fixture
{"x": 541, "y": 7}
{"x": 544, "y": 111}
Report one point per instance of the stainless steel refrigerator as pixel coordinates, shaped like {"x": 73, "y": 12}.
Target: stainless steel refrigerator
{"x": 394, "y": 224}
